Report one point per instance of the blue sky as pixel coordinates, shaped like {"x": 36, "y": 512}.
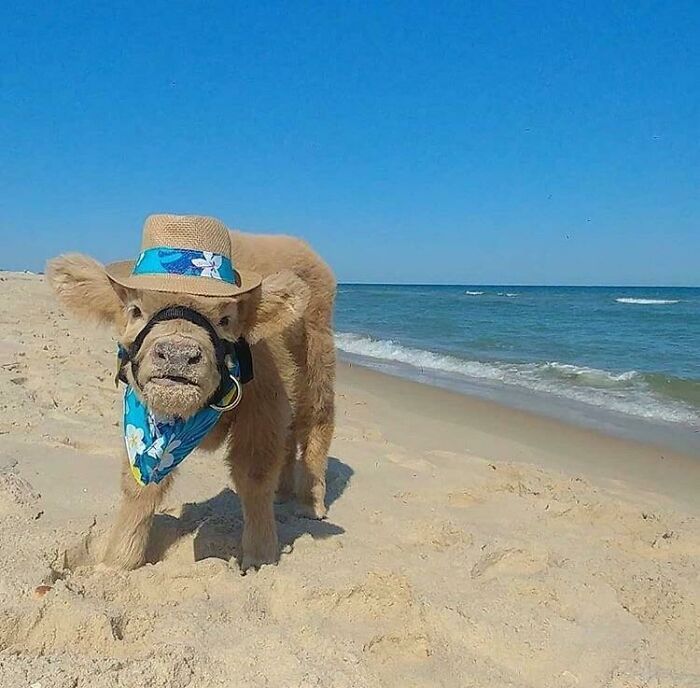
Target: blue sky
{"x": 496, "y": 142}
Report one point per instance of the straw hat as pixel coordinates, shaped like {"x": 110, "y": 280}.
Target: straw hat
{"x": 186, "y": 254}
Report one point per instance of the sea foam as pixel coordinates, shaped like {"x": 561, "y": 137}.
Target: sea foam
{"x": 387, "y": 350}
{"x": 626, "y": 392}
{"x": 646, "y": 302}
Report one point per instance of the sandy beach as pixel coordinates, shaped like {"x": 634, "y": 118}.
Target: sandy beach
{"x": 467, "y": 544}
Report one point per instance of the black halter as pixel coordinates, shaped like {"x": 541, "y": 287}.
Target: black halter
{"x": 239, "y": 350}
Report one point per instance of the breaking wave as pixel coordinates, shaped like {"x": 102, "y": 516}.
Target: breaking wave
{"x": 646, "y": 302}
{"x": 498, "y": 293}
{"x": 638, "y": 394}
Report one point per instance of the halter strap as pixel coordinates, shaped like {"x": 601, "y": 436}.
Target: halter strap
{"x": 180, "y": 313}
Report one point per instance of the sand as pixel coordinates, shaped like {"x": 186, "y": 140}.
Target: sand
{"x": 466, "y": 544}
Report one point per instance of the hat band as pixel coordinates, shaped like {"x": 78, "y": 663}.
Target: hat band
{"x": 164, "y": 260}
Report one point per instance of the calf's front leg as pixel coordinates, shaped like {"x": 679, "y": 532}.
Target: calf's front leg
{"x": 128, "y": 540}
{"x": 259, "y": 544}
{"x": 255, "y": 461}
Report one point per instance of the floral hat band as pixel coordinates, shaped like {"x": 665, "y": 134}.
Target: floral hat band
{"x": 163, "y": 260}
{"x": 185, "y": 254}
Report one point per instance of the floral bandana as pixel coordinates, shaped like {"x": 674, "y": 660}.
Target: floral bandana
{"x": 155, "y": 445}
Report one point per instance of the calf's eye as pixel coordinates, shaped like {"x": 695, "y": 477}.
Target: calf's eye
{"x": 135, "y": 312}
{"x": 224, "y": 321}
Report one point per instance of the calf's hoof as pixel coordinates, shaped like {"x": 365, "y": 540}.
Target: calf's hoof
{"x": 258, "y": 553}
{"x": 316, "y": 511}
{"x": 251, "y": 563}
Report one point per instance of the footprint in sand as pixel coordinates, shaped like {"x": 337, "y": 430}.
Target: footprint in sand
{"x": 508, "y": 562}
{"x": 439, "y": 536}
{"x": 412, "y": 463}
{"x": 463, "y": 499}
{"x": 388, "y": 608}
{"x": 83, "y": 552}
{"x": 399, "y": 646}
{"x": 18, "y": 490}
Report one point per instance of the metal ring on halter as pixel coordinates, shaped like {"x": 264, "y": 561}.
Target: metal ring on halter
{"x": 235, "y": 401}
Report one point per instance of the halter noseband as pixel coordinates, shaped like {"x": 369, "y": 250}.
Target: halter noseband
{"x": 238, "y": 351}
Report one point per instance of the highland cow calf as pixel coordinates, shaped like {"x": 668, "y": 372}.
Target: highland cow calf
{"x": 276, "y": 296}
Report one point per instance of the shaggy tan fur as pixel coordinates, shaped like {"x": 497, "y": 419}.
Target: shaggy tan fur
{"x": 278, "y": 438}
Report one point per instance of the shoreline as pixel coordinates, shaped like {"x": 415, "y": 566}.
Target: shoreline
{"x": 664, "y": 434}
{"x": 499, "y": 432}
{"x": 613, "y": 359}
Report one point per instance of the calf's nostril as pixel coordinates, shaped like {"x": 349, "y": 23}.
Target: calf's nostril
{"x": 177, "y": 354}
{"x": 161, "y": 351}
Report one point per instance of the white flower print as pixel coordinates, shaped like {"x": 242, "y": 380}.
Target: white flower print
{"x": 134, "y": 441}
{"x": 152, "y": 426}
{"x": 163, "y": 452}
{"x": 209, "y": 265}
{"x": 157, "y": 425}
{"x": 156, "y": 449}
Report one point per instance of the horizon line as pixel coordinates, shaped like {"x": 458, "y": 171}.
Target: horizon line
{"x": 471, "y": 284}
{"x": 495, "y": 284}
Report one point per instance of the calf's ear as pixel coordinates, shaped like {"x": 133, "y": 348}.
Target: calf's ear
{"x": 84, "y": 289}
{"x": 279, "y": 302}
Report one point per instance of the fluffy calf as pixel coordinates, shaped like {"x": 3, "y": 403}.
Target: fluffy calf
{"x": 286, "y": 412}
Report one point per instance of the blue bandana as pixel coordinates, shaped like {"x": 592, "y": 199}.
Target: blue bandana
{"x": 155, "y": 445}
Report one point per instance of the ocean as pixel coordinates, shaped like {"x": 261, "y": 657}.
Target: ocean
{"x": 624, "y": 359}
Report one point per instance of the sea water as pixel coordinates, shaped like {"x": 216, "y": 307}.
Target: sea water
{"x": 622, "y": 358}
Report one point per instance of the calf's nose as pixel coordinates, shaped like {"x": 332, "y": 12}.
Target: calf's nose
{"x": 177, "y": 354}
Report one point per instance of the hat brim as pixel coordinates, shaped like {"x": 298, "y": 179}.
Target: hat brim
{"x": 121, "y": 273}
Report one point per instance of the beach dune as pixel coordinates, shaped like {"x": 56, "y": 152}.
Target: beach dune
{"x": 466, "y": 544}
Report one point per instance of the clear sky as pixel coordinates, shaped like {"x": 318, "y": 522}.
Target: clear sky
{"x": 463, "y": 142}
